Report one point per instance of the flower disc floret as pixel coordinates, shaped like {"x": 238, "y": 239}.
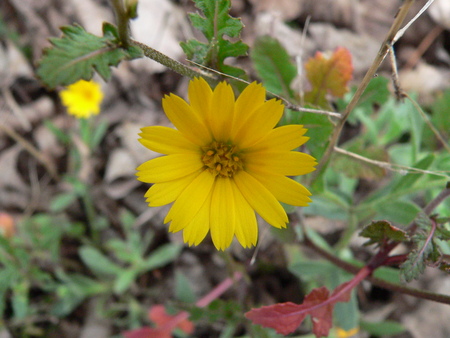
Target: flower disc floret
{"x": 224, "y": 161}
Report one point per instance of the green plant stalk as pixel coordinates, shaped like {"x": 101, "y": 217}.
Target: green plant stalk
{"x": 384, "y": 49}
{"x": 176, "y": 66}
{"x": 122, "y": 22}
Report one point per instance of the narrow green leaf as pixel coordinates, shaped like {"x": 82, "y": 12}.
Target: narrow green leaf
{"x": 62, "y": 201}
{"x": 385, "y": 328}
{"x": 77, "y": 54}
{"x": 402, "y": 212}
{"x": 274, "y": 66}
{"x": 183, "y": 289}
{"x": 408, "y": 180}
{"x": 98, "y": 263}
{"x": 20, "y": 299}
{"x": 161, "y": 256}
{"x": 123, "y": 281}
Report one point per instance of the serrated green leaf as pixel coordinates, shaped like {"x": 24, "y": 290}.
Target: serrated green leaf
{"x": 215, "y": 24}
{"x": 274, "y": 66}
{"x": 425, "y": 249}
{"x": 77, "y": 54}
{"x": 381, "y": 231}
{"x": 216, "y": 21}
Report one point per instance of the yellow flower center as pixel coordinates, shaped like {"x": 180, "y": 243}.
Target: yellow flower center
{"x": 222, "y": 159}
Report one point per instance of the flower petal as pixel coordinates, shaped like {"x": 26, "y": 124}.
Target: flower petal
{"x": 223, "y": 214}
{"x": 166, "y": 140}
{"x": 190, "y": 201}
{"x": 166, "y": 192}
{"x": 221, "y": 113}
{"x": 168, "y": 168}
{"x": 290, "y": 163}
{"x": 259, "y": 124}
{"x": 186, "y": 120}
{"x": 200, "y": 94}
{"x": 285, "y": 189}
{"x": 282, "y": 138}
{"x": 246, "y": 226}
{"x": 197, "y": 229}
{"x": 261, "y": 199}
{"x": 252, "y": 97}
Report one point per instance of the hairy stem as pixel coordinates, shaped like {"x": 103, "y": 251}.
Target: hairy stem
{"x": 163, "y": 59}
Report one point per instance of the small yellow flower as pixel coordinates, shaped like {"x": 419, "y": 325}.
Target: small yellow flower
{"x": 224, "y": 162}
{"x": 82, "y": 99}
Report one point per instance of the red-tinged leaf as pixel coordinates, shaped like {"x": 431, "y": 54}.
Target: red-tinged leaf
{"x": 286, "y": 317}
{"x": 322, "y": 317}
{"x": 159, "y": 316}
{"x": 328, "y": 74}
{"x": 283, "y": 317}
{"x": 146, "y": 332}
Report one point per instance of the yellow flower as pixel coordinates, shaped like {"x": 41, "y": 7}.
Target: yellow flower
{"x": 82, "y": 99}
{"x": 224, "y": 162}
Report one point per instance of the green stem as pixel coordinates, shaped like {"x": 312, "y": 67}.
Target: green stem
{"x": 122, "y": 22}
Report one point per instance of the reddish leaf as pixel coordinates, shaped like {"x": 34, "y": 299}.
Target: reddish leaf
{"x": 147, "y": 332}
{"x": 283, "y": 317}
{"x": 286, "y": 317}
{"x": 159, "y": 316}
{"x": 164, "y": 322}
{"x": 328, "y": 74}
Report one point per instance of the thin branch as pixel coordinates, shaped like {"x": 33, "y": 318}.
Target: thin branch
{"x": 443, "y": 195}
{"x": 403, "y": 30}
{"x": 288, "y": 104}
{"x": 40, "y": 157}
{"x": 401, "y": 15}
{"x": 391, "y": 166}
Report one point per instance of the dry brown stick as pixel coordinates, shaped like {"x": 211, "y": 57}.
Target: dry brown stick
{"x": 384, "y": 49}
